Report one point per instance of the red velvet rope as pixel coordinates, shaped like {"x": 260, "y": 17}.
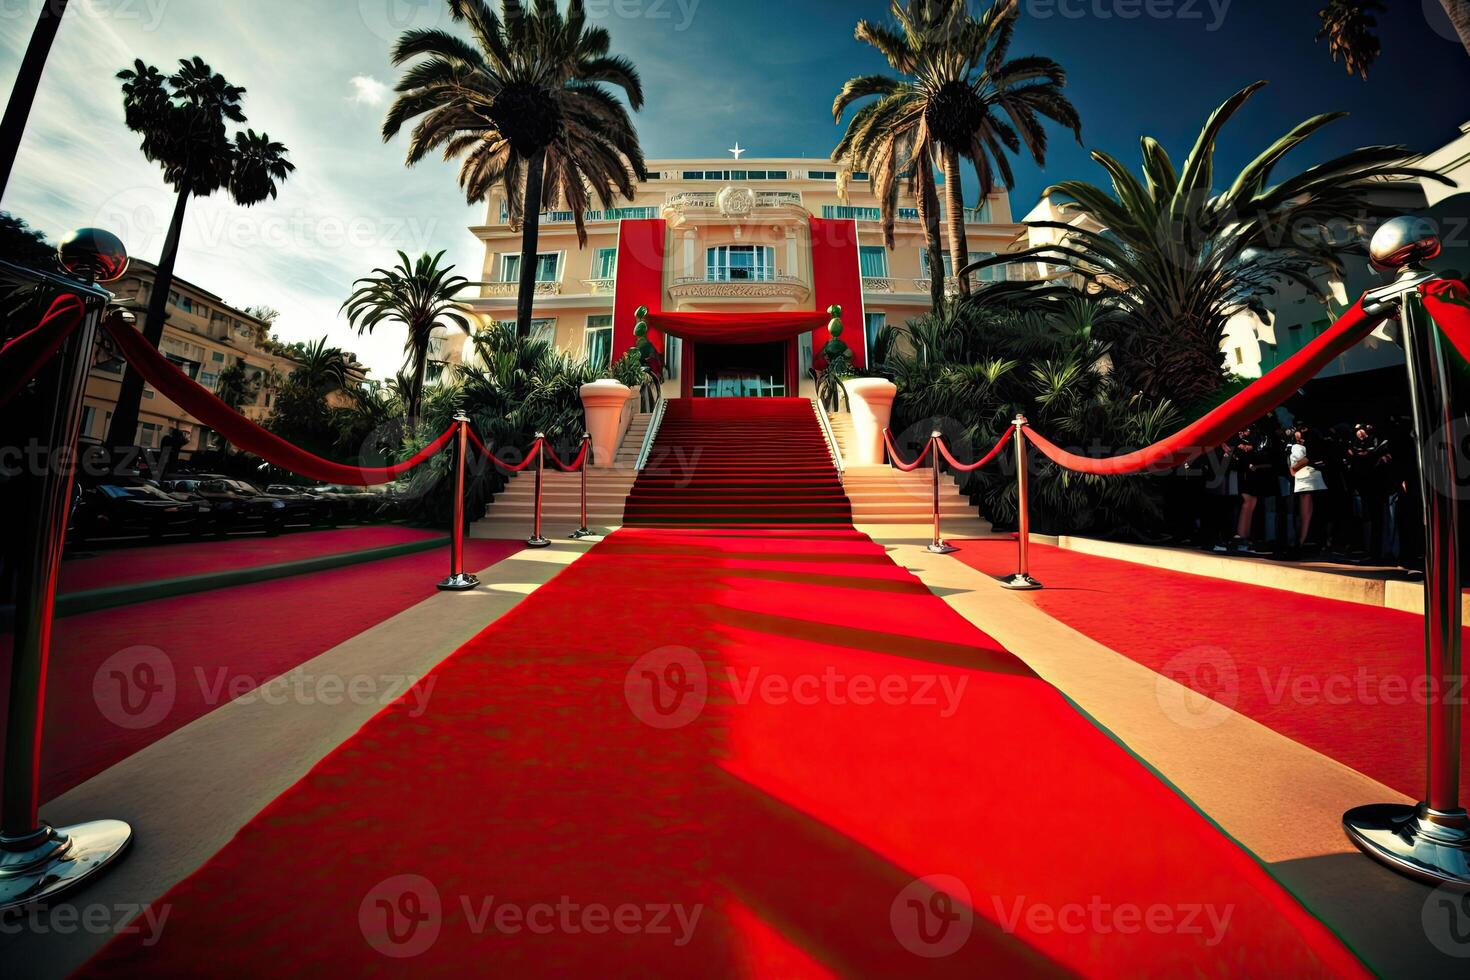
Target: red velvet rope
{"x": 197, "y": 400}
{"x": 897, "y": 461}
{"x": 1213, "y": 428}
{"x": 1448, "y": 304}
{"x": 23, "y": 356}
{"x": 513, "y": 468}
{"x": 1000, "y": 446}
{"x": 574, "y": 465}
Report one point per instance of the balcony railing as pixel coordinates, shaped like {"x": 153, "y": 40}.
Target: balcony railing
{"x": 600, "y": 287}
{"x": 513, "y": 288}
{"x": 877, "y": 284}
{"x": 705, "y": 200}
{"x": 791, "y": 287}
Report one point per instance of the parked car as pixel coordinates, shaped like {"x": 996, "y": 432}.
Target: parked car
{"x": 328, "y": 507}
{"x": 236, "y": 510}
{"x": 365, "y": 504}
{"x": 133, "y": 507}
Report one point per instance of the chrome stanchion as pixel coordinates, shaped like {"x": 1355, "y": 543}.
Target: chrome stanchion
{"x": 38, "y": 862}
{"x": 536, "y": 540}
{"x": 938, "y": 545}
{"x": 1022, "y": 579}
{"x": 583, "y": 531}
{"x": 459, "y": 580}
{"x": 1429, "y": 841}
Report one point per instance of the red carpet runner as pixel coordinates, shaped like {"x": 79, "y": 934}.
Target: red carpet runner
{"x": 573, "y": 804}
{"x": 726, "y": 462}
{"x": 1344, "y": 679}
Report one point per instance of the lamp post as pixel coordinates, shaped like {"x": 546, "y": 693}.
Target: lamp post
{"x": 1429, "y": 841}
{"x": 38, "y": 861}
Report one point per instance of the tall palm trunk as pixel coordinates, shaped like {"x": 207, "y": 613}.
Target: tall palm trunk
{"x": 954, "y": 203}
{"x": 416, "y": 393}
{"x": 530, "y": 236}
{"x": 27, "y": 80}
{"x": 928, "y": 202}
{"x": 125, "y": 415}
{"x": 1459, "y": 14}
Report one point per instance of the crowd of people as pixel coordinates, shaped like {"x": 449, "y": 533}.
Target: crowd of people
{"x": 1346, "y": 492}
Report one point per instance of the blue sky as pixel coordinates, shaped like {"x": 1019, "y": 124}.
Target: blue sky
{"x": 763, "y": 72}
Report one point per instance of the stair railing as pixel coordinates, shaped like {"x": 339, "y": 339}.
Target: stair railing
{"x": 827, "y": 434}
{"x": 654, "y": 421}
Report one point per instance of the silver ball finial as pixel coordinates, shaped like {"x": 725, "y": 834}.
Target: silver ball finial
{"x": 1403, "y": 241}
{"x": 93, "y": 254}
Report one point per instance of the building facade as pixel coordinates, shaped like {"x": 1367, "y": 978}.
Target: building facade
{"x": 202, "y": 336}
{"x": 736, "y": 244}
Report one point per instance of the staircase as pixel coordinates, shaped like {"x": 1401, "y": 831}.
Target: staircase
{"x": 886, "y": 495}
{"x": 512, "y": 514}
{"x": 738, "y": 462}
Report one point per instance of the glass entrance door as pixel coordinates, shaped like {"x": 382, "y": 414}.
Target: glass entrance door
{"x": 739, "y": 371}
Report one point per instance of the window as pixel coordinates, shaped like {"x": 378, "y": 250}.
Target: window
{"x": 924, "y": 264}
{"x": 989, "y": 273}
{"x": 548, "y": 265}
{"x": 874, "y": 323}
{"x": 605, "y": 264}
{"x": 740, "y": 263}
{"x": 148, "y": 434}
{"x": 89, "y": 415}
{"x": 542, "y": 328}
{"x": 217, "y": 357}
{"x": 1239, "y": 356}
{"x": 873, "y": 261}
{"x": 822, "y": 174}
{"x": 208, "y": 379}
{"x": 843, "y": 211}
{"x": 597, "y": 344}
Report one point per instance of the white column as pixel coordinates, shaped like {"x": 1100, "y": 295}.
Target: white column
{"x": 871, "y": 401}
{"x": 603, "y": 402}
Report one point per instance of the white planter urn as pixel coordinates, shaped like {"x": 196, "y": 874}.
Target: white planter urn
{"x": 871, "y": 402}
{"x": 603, "y": 402}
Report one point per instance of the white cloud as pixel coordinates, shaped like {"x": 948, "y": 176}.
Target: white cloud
{"x": 367, "y": 90}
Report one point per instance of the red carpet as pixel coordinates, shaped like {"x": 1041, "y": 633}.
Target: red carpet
{"x": 215, "y": 644}
{"x": 721, "y": 462}
{"x": 104, "y": 568}
{"x": 1335, "y": 676}
{"x": 531, "y": 824}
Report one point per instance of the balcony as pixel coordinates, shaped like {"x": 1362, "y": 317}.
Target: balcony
{"x": 600, "y": 287}
{"x": 789, "y": 288}
{"x": 732, "y": 203}
{"x": 502, "y": 290}
{"x": 877, "y": 284}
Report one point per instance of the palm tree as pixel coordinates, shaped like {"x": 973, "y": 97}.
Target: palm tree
{"x": 27, "y": 81}
{"x": 1350, "y": 30}
{"x": 525, "y": 106}
{"x": 182, "y": 121}
{"x": 420, "y": 295}
{"x": 1348, "y": 27}
{"x": 1181, "y": 258}
{"x": 959, "y": 98}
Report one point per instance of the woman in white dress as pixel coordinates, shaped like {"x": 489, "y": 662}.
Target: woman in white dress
{"x": 1306, "y": 482}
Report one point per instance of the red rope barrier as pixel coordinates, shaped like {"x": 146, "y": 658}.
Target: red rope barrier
{"x": 575, "y": 464}
{"x": 897, "y": 461}
{"x": 22, "y": 357}
{"x": 197, "y": 400}
{"x": 1000, "y": 446}
{"x": 512, "y": 468}
{"x": 1448, "y": 304}
{"x": 1213, "y": 428}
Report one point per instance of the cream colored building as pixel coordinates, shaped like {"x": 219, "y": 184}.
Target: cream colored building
{"x": 736, "y": 241}
{"x": 202, "y": 336}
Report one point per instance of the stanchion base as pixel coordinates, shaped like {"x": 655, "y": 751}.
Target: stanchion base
{"x": 1020, "y": 582}
{"x": 942, "y": 547}
{"x": 52, "y": 860}
{"x": 537, "y": 543}
{"x": 1432, "y": 846}
{"x": 581, "y": 532}
{"x": 462, "y": 582}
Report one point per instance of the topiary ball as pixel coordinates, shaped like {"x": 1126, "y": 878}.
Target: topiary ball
{"x": 640, "y": 329}
{"x": 834, "y": 310}
{"x": 834, "y": 327}
{"x": 641, "y": 313}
